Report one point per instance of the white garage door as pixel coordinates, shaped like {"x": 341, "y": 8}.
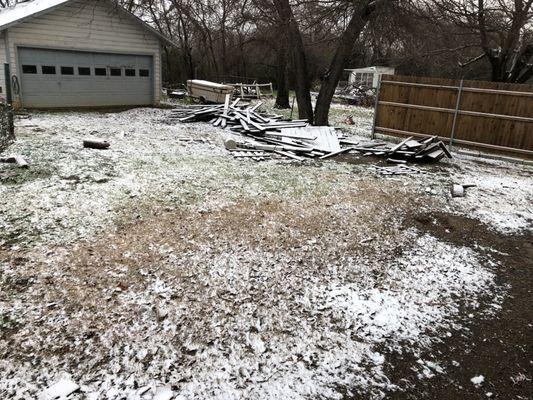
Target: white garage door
{"x": 57, "y": 78}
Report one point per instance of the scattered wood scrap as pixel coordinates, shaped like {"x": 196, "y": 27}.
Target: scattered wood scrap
{"x": 425, "y": 150}
{"x": 96, "y": 144}
{"x": 15, "y": 159}
{"x": 397, "y": 170}
{"x": 250, "y": 154}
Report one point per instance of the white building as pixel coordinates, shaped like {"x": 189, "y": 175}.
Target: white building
{"x": 368, "y": 76}
{"x": 73, "y": 53}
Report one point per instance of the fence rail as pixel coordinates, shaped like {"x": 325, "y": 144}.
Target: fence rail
{"x": 486, "y": 115}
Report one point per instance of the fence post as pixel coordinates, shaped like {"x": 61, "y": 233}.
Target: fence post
{"x": 376, "y": 106}
{"x": 292, "y": 107}
{"x": 456, "y": 113}
{"x": 9, "y": 98}
{"x": 7, "y": 77}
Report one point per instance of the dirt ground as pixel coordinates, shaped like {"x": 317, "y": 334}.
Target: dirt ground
{"x": 498, "y": 348}
{"x": 165, "y": 264}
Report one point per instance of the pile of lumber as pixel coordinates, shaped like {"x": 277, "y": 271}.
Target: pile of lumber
{"x": 251, "y": 134}
{"x": 425, "y": 150}
{"x": 240, "y": 118}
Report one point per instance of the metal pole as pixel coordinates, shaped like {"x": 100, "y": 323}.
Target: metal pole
{"x": 292, "y": 108}
{"x": 376, "y": 108}
{"x": 455, "y": 115}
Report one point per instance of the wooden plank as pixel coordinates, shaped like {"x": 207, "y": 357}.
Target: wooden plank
{"x": 399, "y": 145}
{"x": 336, "y": 153}
{"x": 289, "y": 155}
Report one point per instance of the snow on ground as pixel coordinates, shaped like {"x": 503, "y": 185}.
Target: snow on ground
{"x": 163, "y": 261}
{"x": 503, "y": 194}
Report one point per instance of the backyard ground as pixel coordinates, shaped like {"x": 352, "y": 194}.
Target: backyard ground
{"x": 163, "y": 264}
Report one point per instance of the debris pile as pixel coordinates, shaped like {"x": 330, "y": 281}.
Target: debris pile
{"x": 425, "y": 150}
{"x": 356, "y": 94}
{"x": 255, "y": 135}
{"x": 240, "y": 118}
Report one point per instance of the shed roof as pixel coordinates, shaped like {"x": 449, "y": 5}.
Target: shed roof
{"x": 20, "y": 12}
{"x": 377, "y": 68}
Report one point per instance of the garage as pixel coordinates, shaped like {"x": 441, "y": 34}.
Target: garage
{"x": 79, "y": 53}
{"x": 58, "y": 78}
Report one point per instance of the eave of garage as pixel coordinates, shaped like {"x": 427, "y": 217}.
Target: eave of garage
{"x": 36, "y": 8}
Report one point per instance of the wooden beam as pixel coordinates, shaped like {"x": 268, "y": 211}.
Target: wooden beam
{"x": 466, "y": 89}
{"x": 452, "y": 111}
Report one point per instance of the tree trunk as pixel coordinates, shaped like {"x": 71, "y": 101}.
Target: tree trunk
{"x": 526, "y": 75}
{"x": 303, "y": 86}
{"x": 329, "y": 84}
{"x": 282, "y": 98}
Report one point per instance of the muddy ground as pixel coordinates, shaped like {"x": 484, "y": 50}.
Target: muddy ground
{"x": 498, "y": 348}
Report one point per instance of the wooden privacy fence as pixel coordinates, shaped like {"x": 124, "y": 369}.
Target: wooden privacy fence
{"x": 486, "y": 115}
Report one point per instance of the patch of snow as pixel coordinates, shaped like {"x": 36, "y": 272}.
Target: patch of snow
{"x": 60, "y": 389}
{"x": 478, "y": 380}
{"x": 502, "y": 196}
{"x": 21, "y": 10}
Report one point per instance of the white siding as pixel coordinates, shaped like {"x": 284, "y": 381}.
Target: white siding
{"x": 2, "y": 62}
{"x": 92, "y": 25}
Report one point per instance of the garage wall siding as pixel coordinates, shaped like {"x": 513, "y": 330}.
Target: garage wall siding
{"x": 87, "y": 25}
{"x": 2, "y": 62}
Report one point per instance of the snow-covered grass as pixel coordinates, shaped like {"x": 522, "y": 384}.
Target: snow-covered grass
{"x": 164, "y": 261}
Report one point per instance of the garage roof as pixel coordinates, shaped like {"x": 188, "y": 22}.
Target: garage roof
{"x": 20, "y": 12}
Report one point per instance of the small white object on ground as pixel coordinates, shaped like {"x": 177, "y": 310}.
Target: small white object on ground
{"x": 478, "y": 380}
{"x": 163, "y": 393}
{"x": 62, "y": 388}
{"x": 458, "y": 191}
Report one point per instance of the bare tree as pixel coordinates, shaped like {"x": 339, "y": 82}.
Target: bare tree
{"x": 501, "y": 30}
{"x": 360, "y": 12}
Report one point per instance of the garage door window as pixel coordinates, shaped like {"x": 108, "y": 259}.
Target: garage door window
{"x": 48, "y": 69}
{"x": 84, "y": 71}
{"x": 144, "y": 72}
{"x": 67, "y": 70}
{"x": 100, "y": 71}
{"x": 116, "y": 72}
{"x": 130, "y": 72}
{"x": 29, "y": 69}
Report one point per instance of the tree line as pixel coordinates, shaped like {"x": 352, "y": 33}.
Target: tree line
{"x": 307, "y": 44}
